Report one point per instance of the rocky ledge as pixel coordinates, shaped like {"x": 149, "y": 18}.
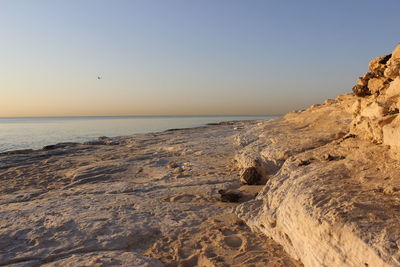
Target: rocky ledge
{"x": 331, "y": 196}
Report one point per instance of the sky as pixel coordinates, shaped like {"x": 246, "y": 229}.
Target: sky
{"x": 185, "y": 57}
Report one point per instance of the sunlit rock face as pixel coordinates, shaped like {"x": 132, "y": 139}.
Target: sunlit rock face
{"x": 376, "y": 111}
{"x": 332, "y": 188}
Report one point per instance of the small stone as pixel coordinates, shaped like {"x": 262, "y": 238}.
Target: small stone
{"x": 361, "y": 91}
{"x": 250, "y": 176}
{"x": 229, "y": 196}
{"x": 303, "y": 163}
{"x": 328, "y": 157}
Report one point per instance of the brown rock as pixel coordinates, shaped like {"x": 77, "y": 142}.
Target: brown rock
{"x": 250, "y": 176}
{"x": 363, "y": 81}
{"x": 375, "y": 85}
{"x": 371, "y": 114}
{"x": 361, "y": 91}
{"x": 229, "y": 196}
{"x": 393, "y": 68}
{"x": 378, "y": 65}
{"x": 303, "y": 162}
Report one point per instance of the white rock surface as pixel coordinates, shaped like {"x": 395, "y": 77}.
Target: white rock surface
{"x": 334, "y": 200}
{"x": 142, "y": 200}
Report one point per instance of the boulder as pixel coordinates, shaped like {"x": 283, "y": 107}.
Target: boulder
{"x": 363, "y": 81}
{"x": 393, "y": 68}
{"x": 373, "y": 110}
{"x": 378, "y": 65}
{"x": 229, "y": 195}
{"x": 375, "y": 85}
{"x": 393, "y": 65}
{"x": 361, "y": 91}
{"x": 379, "y": 99}
{"x": 250, "y": 176}
{"x": 393, "y": 89}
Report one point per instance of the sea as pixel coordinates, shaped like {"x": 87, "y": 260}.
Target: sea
{"x": 36, "y": 132}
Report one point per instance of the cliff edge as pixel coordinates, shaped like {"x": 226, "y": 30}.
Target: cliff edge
{"x": 331, "y": 194}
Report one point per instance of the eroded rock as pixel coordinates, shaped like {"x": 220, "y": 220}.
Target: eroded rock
{"x": 361, "y": 90}
{"x": 321, "y": 212}
{"x": 341, "y": 208}
{"x": 250, "y": 176}
{"x": 379, "y": 92}
{"x": 378, "y": 65}
{"x": 229, "y": 195}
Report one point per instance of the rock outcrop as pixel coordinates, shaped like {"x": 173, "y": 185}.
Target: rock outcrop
{"x": 332, "y": 196}
{"x": 376, "y": 112}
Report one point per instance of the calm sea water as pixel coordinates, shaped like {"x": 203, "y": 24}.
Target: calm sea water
{"x": 34, "y": 133}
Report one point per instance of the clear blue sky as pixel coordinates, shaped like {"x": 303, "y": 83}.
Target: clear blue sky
{"x": 185, "y": 57}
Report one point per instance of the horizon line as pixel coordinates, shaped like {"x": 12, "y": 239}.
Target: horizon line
{"x": 94, "y": 116}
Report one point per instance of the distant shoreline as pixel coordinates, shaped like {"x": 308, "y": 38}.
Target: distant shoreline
{"x": 142, "y": 116}
{"x": 55, "y": 130}
{"x": 97, "y": 140}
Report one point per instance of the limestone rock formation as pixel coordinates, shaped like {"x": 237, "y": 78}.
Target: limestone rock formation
{"x": 332, "y": 196}
{"x": 141, "y": 200}
{"x": 376, "y": 112}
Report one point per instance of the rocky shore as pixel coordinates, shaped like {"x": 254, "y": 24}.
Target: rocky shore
{"x": 317, "y": 187}
{"x": 142, "y": 200}
{"x": 332, "y": 193}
